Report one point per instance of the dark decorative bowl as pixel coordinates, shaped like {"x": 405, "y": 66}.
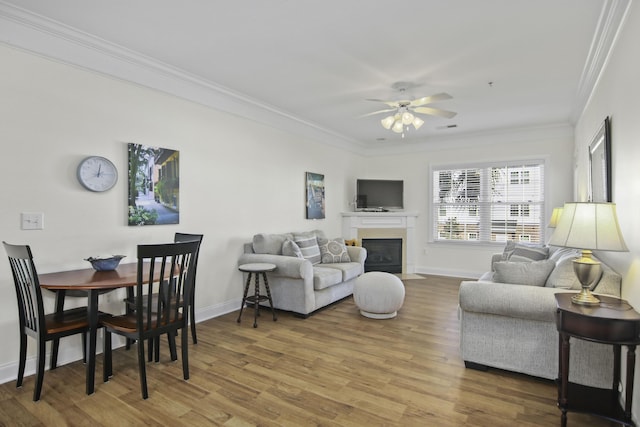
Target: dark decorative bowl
{"x": 105, "y": 264}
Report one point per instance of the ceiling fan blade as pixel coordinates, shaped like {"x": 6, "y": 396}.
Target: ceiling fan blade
{"x": 430, "y": 99}
{"x": 378, "y": 112}
{"x": 435, "y": 112}
{"x": 394, "y": 104}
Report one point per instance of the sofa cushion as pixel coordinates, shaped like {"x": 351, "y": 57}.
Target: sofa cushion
{"x": 560, "y": 254}
{"x": 563, "y": 277}
{"x": 308, "y": 244}
{"x": 324, "y": 277}
{"x": 269, "y": 243}
{"x": 289, "y": 248}
{"x": 532, "y": 273}
{"x": 610, "y": 282}
{"x": 349, "y": 269}
{"x": 333, "y": 250}
{"x": 524, "y": 252}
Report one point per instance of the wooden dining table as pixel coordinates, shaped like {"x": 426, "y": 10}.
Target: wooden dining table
{"x": 93, "y": 283}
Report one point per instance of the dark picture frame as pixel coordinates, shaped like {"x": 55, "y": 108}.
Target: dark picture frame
{"x": 154, "y": 185}
{"x": 315, "y": 203}
{"x": 600, "y": 171}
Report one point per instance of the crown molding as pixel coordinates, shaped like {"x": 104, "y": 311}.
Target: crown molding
{"x": 42, "y": 36}
{"x": 515, "y": 135}
{"x": 610, "y": 23}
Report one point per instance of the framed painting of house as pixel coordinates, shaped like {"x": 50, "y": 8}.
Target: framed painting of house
{"x": 154, "y": 185}
{"x": 600, "y": 164}
{"x": 315, "y": 195}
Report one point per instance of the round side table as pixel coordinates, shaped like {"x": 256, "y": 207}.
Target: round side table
{"x": 257, "y": 269}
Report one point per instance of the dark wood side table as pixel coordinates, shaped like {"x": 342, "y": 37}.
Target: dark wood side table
{"x": 258, "y": 268}
{"x": 613, "y": 322}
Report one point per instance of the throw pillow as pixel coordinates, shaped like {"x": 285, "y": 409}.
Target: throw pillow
{"x": 308, "y": 244}
{"x": 333, "y": 250}
{"x": 289, "y": 248}
{"x": 564, "y": 277}
{"x": 269, "y": 243}
{"x": 524, "y": 252}
{"x": 562, "y": 253}
{"x": 532, "y": 273}
{"x": 508, "y": 250}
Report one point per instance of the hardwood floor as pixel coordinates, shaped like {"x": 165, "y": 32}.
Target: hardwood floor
{"x": 335, "y": 368}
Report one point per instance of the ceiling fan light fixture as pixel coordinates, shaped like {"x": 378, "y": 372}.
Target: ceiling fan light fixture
{"x": 404, "y": 112}
{"x": 387, "y": 122}
{"x": 407, "y": 118}
{"x": 417, "y": 122}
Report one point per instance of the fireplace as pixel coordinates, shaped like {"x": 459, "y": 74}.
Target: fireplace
{"x": 384, "y": 225}
{"x": 383, "y": 255}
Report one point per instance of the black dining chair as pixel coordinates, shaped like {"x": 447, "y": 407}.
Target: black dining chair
{"x": 32, "y": 319}
{"x": 152, "y": 317}
{"x": 154, "y": 345}
{"x": 184, "y": 237}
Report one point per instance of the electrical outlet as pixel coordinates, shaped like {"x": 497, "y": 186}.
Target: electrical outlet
{"x": 32, "y": 221}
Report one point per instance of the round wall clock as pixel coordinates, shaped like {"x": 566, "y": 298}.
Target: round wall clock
{"x": 96, "y": 173}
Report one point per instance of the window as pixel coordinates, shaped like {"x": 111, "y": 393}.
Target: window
{"x": 520, "y": 177}
{"x": 519, "y": 210}
{"x": 489, "y": 202}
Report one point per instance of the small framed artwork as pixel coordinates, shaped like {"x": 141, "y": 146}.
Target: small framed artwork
{"x": 315, "y": 195}
{"x": 600, "y": 164}
{"x": 154, "y": 185}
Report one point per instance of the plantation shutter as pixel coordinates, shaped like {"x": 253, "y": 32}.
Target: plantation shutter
{"x": 489, "y": 202}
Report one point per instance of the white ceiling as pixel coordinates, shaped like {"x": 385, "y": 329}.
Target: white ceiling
{"x": 317, "y": 62}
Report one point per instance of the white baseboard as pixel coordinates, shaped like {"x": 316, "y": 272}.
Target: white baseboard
{"x": 449, "y": 272}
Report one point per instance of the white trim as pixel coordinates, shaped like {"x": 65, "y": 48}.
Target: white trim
{"x": 467, "y": 274}
{"x": 37, "y": 34}
{"x": 610, "y": 23}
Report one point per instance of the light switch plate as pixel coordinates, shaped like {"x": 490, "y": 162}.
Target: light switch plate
{"x": 32, "y": 221}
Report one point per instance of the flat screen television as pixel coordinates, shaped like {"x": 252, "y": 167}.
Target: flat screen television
{"x": 379, "y": 194}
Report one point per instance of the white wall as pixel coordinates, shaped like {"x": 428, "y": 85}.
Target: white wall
{"x": 618, "y": 95}
{"x": 238, "y": 178}
{"x": 553, "y": 144}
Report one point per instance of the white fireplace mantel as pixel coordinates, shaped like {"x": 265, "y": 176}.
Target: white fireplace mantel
{"x": 356, "y": 225}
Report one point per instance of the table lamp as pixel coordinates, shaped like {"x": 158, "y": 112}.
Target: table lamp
{"x": 555, "y": 217}
{"x": 588, "y": 226}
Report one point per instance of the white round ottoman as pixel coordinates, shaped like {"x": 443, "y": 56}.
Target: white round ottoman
{"x": 378, "y": 295}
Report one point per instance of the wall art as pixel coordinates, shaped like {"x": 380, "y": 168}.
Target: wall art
{"x": 154, "y": 185}
{"x": 315, "y": 195}
{"x": 600, "y": 187}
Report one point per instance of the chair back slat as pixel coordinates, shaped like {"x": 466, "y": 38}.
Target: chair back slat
{"x": 185, "y": 237}
{"x": 170, "y": 278}
{"x": 28, "y": 292}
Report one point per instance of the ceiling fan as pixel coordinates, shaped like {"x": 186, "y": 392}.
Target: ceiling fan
{"x": 404, "y": 111}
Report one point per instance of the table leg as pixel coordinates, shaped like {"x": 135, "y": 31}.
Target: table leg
{"x": 244, "y": 296}
{"x": 92, "y": 312}
{"x": 266, "y": 285}
{"x": 256, "y": 301}
{"x": 631, "y": 365}
{"x": 564, "y": 378}
{"x": 55, "y": 343}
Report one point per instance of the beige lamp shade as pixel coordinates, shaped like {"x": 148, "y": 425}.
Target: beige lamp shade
{"x": 589, "y": 226}
{"x": 555, "y": 217}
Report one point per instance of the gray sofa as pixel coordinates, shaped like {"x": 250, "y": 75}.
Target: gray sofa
{"x": 311, "y": 270}
{"x": 512, "y": 325}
